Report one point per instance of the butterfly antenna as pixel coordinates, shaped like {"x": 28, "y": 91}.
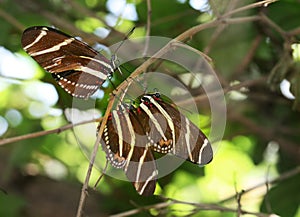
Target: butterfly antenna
{"x": 122, "y": 42}
{"x": 114, "y": 57}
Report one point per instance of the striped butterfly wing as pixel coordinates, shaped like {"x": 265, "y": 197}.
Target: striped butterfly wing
{"x": 172, "y": 132}
{"x": 127, "y": 147}
{"x": 77, "y": 68}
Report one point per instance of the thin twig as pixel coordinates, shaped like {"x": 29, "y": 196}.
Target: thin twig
{"x": 93, "y": 157}
{"x": 248, "y": 57}
{"x": 207, "y": 206}
{"x": 198, "y": 207}
{"x": 250, "y": 6}
{"x": 219, "y": 29}
{"x": 294, "y": 32}
{"x": 102, "y": 174}
{"x": 45, "y": 132}
{"x": 3, "y": 191}
{"x": 277, "y": 28}
{"x": 216, "y": 93}
{"x": 201, "y": 206}
{"x": 138, "y": 210}
{"x": 239, "y": 210}
{"x": 84, "y": 189}
{"x": 268, "y": 204}
{"x": 148, "y": 28}
{"x": 13, "y": 21}
{"x": 280, "y": 178}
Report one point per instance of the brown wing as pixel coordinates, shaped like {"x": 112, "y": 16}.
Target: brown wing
{"x": 191, "y": 143}
{"x": 127, "y": 147}
{"x": 77, "y": 67}
{"x": 172, "y": 132}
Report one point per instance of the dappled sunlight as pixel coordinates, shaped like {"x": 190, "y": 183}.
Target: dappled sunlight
{"x": 14, "y": 117}
{"x": 3, "y": 125}
{"x": 55, "y": 169}
{"x": 42, "y": 92}
{"x": 15, "y": 66}
{"x": 122, "y": 8}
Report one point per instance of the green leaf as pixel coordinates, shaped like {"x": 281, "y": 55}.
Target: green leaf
{"x": 11, "y": 205}
{"x": 284, "y": 198}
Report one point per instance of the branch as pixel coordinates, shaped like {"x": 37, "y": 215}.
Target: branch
{"x": 216, "y": 93}
{"x": 138, "y": 210}
{"x": 10, "y": 19}
{"x": 148, "y": 27}
{"x": 218, "y": 31}
{"x": 248, "y": 57}
{"x": 280, "y": 178}
{"x": 250, "y": 6}
{"x": 45, "y": 132}
{"x": 202, "y": 206}
{"x": 197, "y": 207}
{"x": 277, "y": 28}
{"x": 84, "y": 189}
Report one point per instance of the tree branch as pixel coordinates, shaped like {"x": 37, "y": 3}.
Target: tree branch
{"x": 45, "y": 132}
{"x": 206, "y": 206}
{"x": 197, "y": 207}
{"x": 280, "y": 178}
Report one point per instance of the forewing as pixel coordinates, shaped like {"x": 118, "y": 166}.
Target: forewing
{"x": 191, "y": 143}
{"x": 127, "y": 147}
{"x": 172, "y": 132}
{"x": 63, "y": 55}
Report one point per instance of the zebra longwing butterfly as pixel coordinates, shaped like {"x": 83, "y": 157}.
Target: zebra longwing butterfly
{"x": 78, "y": 69}
{"x": 133, "y": 131}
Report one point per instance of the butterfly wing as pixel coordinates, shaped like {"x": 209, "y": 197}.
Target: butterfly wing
{"x": 191, "y": 143}
{"x": 127, "y": 147}
{"x": 172, "y": 132}
{"x": 77, "y": 68}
